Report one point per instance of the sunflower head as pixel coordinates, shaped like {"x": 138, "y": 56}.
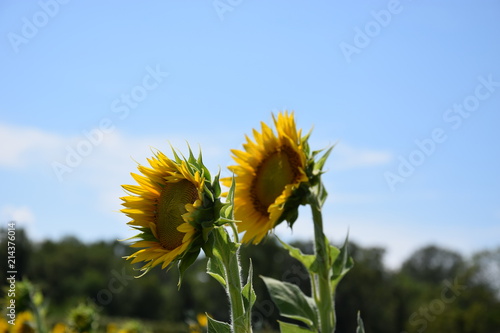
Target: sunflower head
{"x": 83, "y": 318}
{"x": 274, "y": 174}
{"x": 24, "y": 323}
{"x": 174, "y": 207}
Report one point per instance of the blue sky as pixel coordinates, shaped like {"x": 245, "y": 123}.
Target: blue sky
{"x": 409, "y": 91}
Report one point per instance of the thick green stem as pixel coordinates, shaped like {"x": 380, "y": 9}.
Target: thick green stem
{"x": 324, "y": 295}
{"x": 39, "y": 321}
{"x": 227, "y": 256}
{"x": 234, "y": 289}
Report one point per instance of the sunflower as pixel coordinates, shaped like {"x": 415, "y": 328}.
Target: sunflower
{"x": 268, "y": 173}
{"x": 24, "y": 323}
{"x": 168, "y": 206}
{"x": 4, "y": 325}
{"x": 59, "y": 328}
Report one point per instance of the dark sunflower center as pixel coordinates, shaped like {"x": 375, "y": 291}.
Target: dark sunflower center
{"x": 171, "y": 207}
{"x": 276, "y": 170}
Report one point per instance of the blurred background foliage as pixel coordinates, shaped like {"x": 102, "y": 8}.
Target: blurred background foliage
{"x": 435, "y": 289}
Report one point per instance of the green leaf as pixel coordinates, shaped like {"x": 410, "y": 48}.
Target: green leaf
{"x": 361, "y": 327}
{"x": 249, "y": 293}
{"x": 216, "y": 270}
{"x": 223, "y": 251}
{"x": 224, "y": 248}
{"x": 334, "y": 253}
{"x": 215, "y": 326}
{"x": 208, "y": 238}
{"x": 305, "y": 259}
{"x": 240, "y": 324}
{"x": 292, "y": 328}
{"x": 341, "y": 265}
{"x": 322, "y": 194}
{"x": 291, "y": 302}
{"x": 317, "y": 266}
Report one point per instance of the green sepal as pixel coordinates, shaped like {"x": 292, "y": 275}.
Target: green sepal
{"x": 291, "y": 207}
{"x": 187, "y": 260}
{"x": 222, "y": 221}
{"x": 292, "y": 328}
{"x": 292, "y": 215}
{"x": 191, "y": 158}
{"x": 145, "y": 234}
{"x": 361, "y": 326}
{"x": 292, "y": 303}
{"x": 318, "y": 165}
{"x": 208, "y": 192}
{"x": 342, "y": 264}
{"x": 306, "y": 259}
{"x": 215, "y": 326}
{"x": 204, "y": 171}
{"x": 203, "y": 216}
{"x": 178, "y": 160}
{"x": 208, "y": 243}
{"x": 216, "y": 185}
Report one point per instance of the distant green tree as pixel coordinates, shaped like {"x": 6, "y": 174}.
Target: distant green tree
{"x": 23, "y": 250}
{"x": 433, "y": 264}
{"x": 368, "y": 288}
{"x": 436, "y": 290}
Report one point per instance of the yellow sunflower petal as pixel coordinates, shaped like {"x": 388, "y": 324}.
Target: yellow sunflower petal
{"x": 267, "y": 172}
{"x": 165, "y": 197}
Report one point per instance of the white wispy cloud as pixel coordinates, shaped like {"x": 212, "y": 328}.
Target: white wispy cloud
{"x": 346, "y": 156}
{"x": 24, "y": 145}
{"x": 22, "y": 215}
{"x": 110, "y": 161}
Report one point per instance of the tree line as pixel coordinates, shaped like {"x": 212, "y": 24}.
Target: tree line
{"x": 434, "y": 290}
